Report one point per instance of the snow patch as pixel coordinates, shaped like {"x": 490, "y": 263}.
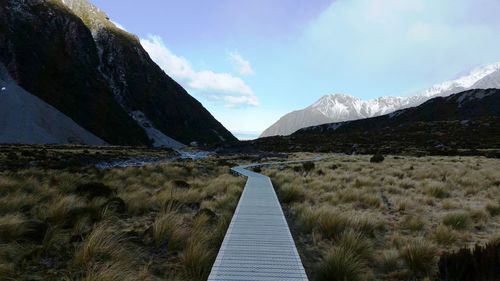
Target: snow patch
{"x": 159, "y": 138}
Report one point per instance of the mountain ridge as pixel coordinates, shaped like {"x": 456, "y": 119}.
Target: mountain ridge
{"x": 344, "y": 107}
{"x": 99, "y": 75}
{"x": 467, "y": 123}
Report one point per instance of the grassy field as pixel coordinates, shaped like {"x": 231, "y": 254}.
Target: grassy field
{"x": 157, "y": 222}
{"x": 63, "y": 219}
{"x": 356, "y": 220}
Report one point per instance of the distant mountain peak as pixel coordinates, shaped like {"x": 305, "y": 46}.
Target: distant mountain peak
{"x": 463, "y": 82}
{"x": 341, "y": 107}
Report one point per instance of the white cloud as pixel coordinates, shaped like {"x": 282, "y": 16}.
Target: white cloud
{"x": 241, "y": 65}
{"x": 224, "y": 87}
{"x": 400, "y": 42}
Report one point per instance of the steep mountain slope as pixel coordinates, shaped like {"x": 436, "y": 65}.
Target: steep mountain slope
{"x": 51, "y": 54}
{"x": 140, "y": 85}
{"x": 27, "y": 119}
{"x": 469, "y": 120}
{"x": 71, "y": 56}
{"x": 340, "y": 107}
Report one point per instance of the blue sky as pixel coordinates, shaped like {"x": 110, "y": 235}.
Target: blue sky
{"x": 251, "y": 61}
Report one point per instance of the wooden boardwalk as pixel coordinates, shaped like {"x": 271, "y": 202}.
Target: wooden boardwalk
{"x": 258, "y": 244}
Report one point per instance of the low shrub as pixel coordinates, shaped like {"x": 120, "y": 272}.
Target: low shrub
{"x": 104, "y": 244}
{"x": 340, "y": 264}
{"x": 413, "y": 223}
{"x": 493, "y": 209}
{"x": 331, "y": 225}
{"x": 377, "y": 158}
{"x": 290, "y": 193}
{"x": 308, "y": 166}
{"x": 457, "y": 220}
{"x": 388, "y": 260}
{"x": 167, "y": 230}
{"x": 444, "y": 235}
{"x": 196, "y": 260}
{"x": 420, "y": 257}
{"x": 480, "y": 263}
{"x": 356, "y": 243}
{"x": 437, "y": 191}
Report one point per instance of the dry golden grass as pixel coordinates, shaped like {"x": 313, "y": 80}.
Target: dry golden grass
{"x": 135, "y": 223}
{"x": 448, "y": 202}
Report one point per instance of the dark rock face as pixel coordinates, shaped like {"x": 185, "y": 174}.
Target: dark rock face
{"x": 52, "y": 55}
{"x": 96, "y": 74}
{"x": 142, "y": 86}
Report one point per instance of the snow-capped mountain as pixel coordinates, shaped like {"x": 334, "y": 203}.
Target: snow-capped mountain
{"x": 341, "y": 107}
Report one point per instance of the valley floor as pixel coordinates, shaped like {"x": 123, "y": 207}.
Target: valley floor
{"x": 63, "y": 219}
{"x": 163, "y": 221}
{"x": 358, "y": 220}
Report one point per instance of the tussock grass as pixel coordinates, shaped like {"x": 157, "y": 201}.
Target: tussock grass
{"x": 8, "y": 272}
{"x": 307, "y": 217}
{"x": 60, "y": 210}
{"x": 458, "y": 220}
{"x": 331, "y": 225}
{"x": 12, "y": 227}
{"x": 358, "y": 244}
{"x": 389, "y": 260}
{"x": 104, "y": 244}
{"x": 116, "y": 271}
{"x": 436, "y": 190}
{"x": 168, "y": 227}
{"x": 413, "y": 223}
{"x": 289, "y": 193}
{"x": 493, "y": 208}
{"x": 197, "y": 259}
{"x": 367, "y": 224}
{"x": 451, "y": 201}
{"x": 360, "y": 198}
{"x": 444, "y": 235}
{"x": 420, "y": 257}
{"x": 340, "y": 264}
{"x": 117, "y": 224}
